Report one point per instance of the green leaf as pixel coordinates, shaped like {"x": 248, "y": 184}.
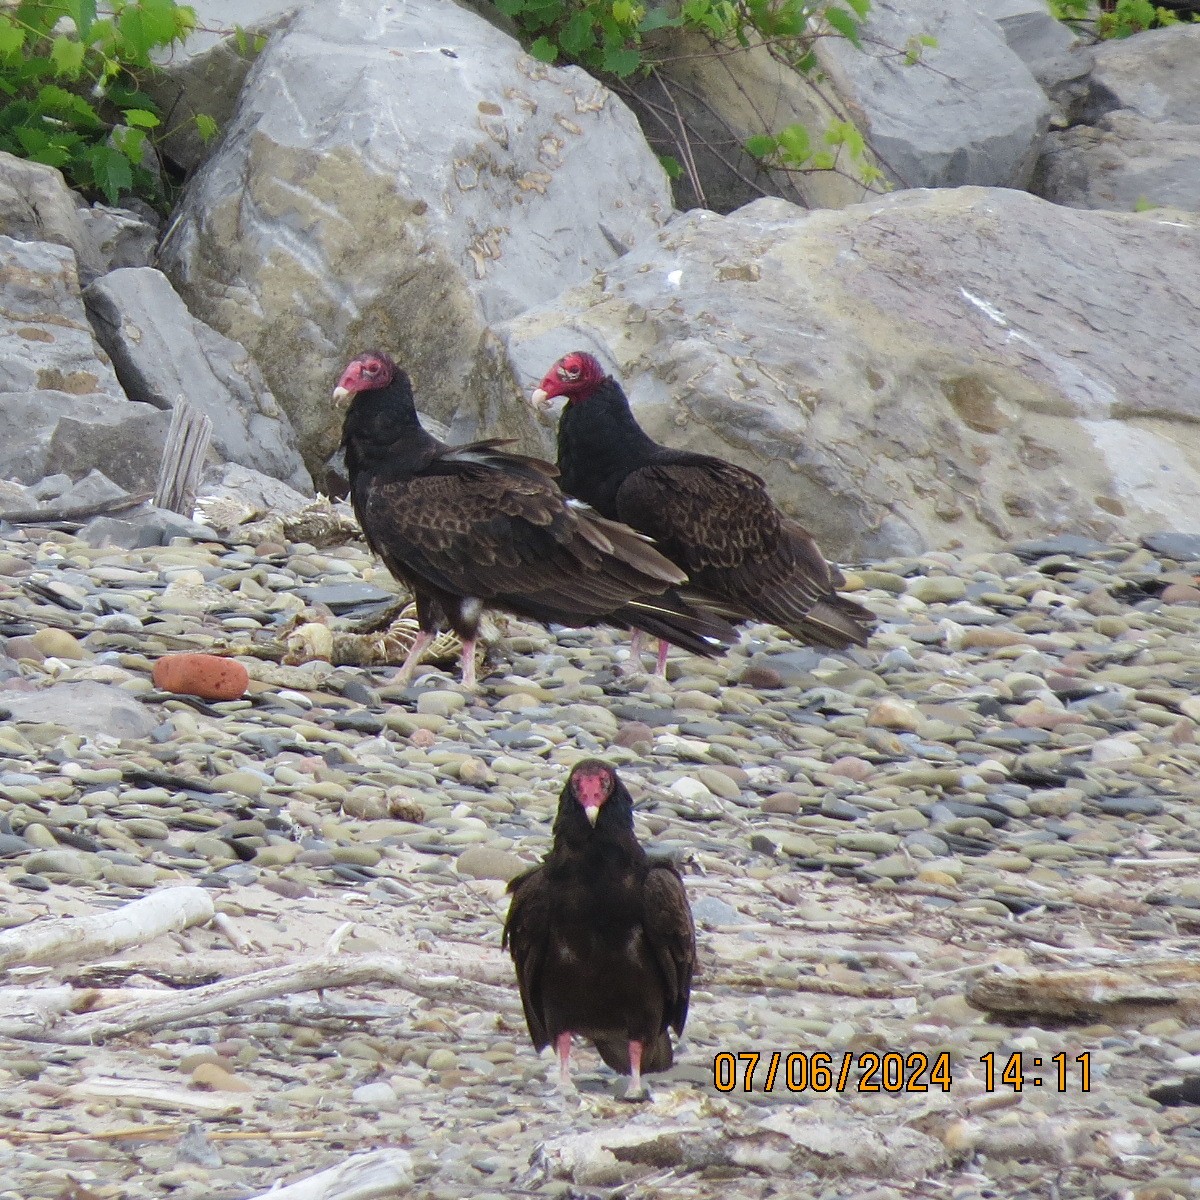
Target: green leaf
{"x": 623, "y": 12}
{"x": 578, "y": 34}
{"x": 111, "y": 172}
{"x": 620, "y": 61}
{"x": 544, "y": 50}
{"x": 58, "y": 102}
{"x": 845, "y": 24}
{"x": 206, "y": 127}
{"x": 823, "y": 160}
{"x": 147, "y": 25}
{"x": 659, "y": 17}
{"x": 130, "y": 142}
{"x": 83, "y": 13}
{"x": 140, "y": 118}
{"x": 12, "y": 36}
{"x": 671, "y": 165}
{"x": 510, "y": 8}
{"x": 761, "y": 145}
{"x": 795, "y": 144}
{"x": 67, "y": 56}
{"x": 861, "y": 8}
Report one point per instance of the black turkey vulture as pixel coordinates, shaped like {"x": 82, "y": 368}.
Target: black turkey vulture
{"x": 602, "y": 936}
{"x": 473, "y": 527}
{"x": 745, "y": 559}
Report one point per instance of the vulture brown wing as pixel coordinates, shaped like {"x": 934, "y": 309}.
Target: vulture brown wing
{"x": 526, "y": 931}
{"x": 706, "y": 513}
{"x": 667, "y": 921}
{"x": 478, "y": 531}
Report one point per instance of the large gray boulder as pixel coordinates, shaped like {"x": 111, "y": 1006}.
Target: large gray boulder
{"x": 938, "y": 368}
{"x": 60, "y": 401}
{"x": 1124, "y": 162}
{"x": 969, "y": 112}
{"x": 400, "y": 176}
{"x": 1141, "y": 145}
{"x": 1155, "y": 74}
{"x": 161, "y": 353}
{"x": 1057, "y": 57}
{"x": 45, "y": 338}
{"x": 204, "y": 75}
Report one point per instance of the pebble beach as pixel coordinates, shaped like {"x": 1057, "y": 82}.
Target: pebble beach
{"x": 1001, "y": 784}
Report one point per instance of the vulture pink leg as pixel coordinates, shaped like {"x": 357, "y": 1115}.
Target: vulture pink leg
{"x": 562, "y": 1044}
{"x": 634, "y": 1091}
{"x": 414, "y": 656}
{"x": 468, "y": 663}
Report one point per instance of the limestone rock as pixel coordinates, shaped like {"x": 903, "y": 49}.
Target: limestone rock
{"x": 969, "y": 113}
{"x": 963, "y": 365}
{"x": 385, "y": 184}
{"x": 1123, "y": 163}
{"x": 161, "y": 353}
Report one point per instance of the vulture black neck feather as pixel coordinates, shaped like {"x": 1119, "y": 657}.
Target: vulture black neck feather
{"x": 600, "y": 443}
{"x": 382, "y": 428}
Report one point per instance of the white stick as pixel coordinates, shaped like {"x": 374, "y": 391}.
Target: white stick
{"x": 361, "y": 1177}
{"x": 79, "y": 939}
{"x": 328, "y": 972}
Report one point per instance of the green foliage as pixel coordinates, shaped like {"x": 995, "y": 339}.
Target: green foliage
{"x": 613, "y": 38}
{"x": 70, "y": 81}
{"x": 1116, "y": 18}
{"x": 1133, "y": 16}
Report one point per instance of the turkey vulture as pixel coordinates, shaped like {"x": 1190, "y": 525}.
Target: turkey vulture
{"x": 745, "y": 559}
{"x": 601, "y": 935}
{"x": 470, "y": 527}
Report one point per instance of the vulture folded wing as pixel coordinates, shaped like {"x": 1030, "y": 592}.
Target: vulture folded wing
{"x": 670, "y": 932}
{"x": 526, "y": 930}
{"x": 498, "y": 535}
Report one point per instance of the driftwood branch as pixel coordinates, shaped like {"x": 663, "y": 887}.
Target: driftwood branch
{"x": 316, "y": 974}
{"x": 361, "y": 1177}
{"x": 51, "y": 514}
{"x": 183, "y": 458}
{"x": 64, "y": 939}
{"x": 1134, "y": 995}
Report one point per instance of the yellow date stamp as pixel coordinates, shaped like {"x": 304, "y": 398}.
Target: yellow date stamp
{"x": 888, "y": 1071}
{"x": 819, "y": 1071}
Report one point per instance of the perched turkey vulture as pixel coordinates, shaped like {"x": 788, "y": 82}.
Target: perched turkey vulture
{"x": 601, "y": 935}
{"x": 473, "y": 527}
{"x": 745, "y": 559}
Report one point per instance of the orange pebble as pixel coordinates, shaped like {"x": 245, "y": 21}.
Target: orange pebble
{"x": 203, "y": 675}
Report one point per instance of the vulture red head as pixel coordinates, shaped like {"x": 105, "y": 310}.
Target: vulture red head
{"x": 373, "y": 369}
{"x": 575, "y": 375}
{"x": 591, "y": 784}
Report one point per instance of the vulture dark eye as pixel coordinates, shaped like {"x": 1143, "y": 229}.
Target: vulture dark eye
{"x": 568, "y": 373}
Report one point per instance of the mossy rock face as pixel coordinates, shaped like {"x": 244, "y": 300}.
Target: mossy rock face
{"x": 382, "y": 186}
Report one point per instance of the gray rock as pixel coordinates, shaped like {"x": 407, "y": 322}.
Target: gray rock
{"x": 205, "y": 74}
{"x": 1054, "y": 54}
{"x": 382, "y": 184}
{"x": 85, "y": 707}
{"x": 970, "y": 113}
{"x": 117, "y": 237}
{"x": 1156, "y": 74}
{"x": 60, "y": 432}
{"x": 94, "y": 488}
{"x": 37, "y": 206}
{"x": 1123, "y": 163}
{"x": 1038, "y": 376}
{"x": 45, "y": 340}
{"x": 146, "y": 526}
{"x": 162, "y": 353}
{"x": 1182, "y": 546}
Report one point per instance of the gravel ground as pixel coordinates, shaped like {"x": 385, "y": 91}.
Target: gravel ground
{"x": 1003, "y": 783}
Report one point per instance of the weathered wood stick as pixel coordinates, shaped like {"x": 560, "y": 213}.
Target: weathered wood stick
{"x": 361, "y": 1177}
{"x": 78, "y": 939}
{"x": 183, "y": 458}
{"x": 329, "y": 972}
{"x": 73, "y": 512}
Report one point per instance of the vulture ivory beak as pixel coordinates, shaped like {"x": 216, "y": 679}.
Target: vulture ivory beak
{"x": 591, "y": 812}
{"x": 342, "y": 397}
{"x": 540, "y": 400}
